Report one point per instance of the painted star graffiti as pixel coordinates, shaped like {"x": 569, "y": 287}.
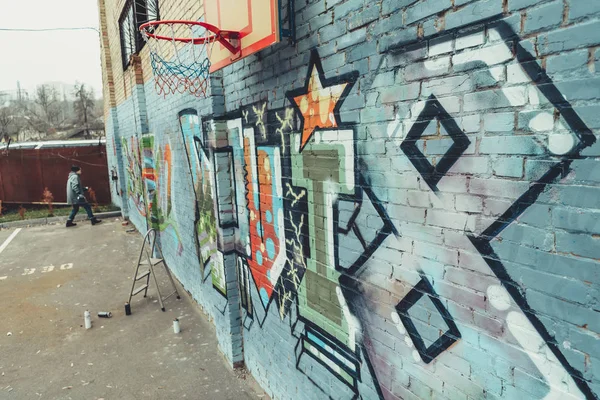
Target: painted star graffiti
{"x": 318, "y": 103}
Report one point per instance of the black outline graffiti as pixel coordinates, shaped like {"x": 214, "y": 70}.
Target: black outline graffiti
{"x": 357, "y": 197}
{"x": 233, "y": 223}
{"x": 433, "y": 174}
{"x": 427, "y": 353}
{"x": 387, "y": 229}
{"x": 335, "y": 344}
{"x": 203, "y": 264}
{"x": 244, "y": 283}
{"x": 481, "y": 242}
{"x": 268, "y": 138}
{"x": 199, "y": 146}
{"x": 544, "y": 83}
{"x": 349, "y": 78}
{"x": 219, "y": 238}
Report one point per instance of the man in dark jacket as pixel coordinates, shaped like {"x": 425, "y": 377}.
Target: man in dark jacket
{"x": 76, "y": 198}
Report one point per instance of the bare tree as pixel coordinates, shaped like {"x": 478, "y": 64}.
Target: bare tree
{"x": 84, "y": 105}
{"x": 47, "y": 99}
{"x": 11, "y": 123}
{"x": 50, "y": 114}
{"x": 6, "y": 120}
{"x": 66, "y": 108}
{"x": 43, "y": 114}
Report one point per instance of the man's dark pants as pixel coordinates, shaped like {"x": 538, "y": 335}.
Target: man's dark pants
{"x": 75, "y": 210}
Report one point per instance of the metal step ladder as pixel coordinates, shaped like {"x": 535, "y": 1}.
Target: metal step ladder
{"x": 146, "y": 259}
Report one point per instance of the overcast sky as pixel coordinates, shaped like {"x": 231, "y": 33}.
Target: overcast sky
{"x": 38, "y": 57}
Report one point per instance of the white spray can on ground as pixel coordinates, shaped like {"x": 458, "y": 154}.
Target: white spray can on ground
{"x": 87, "y": 319}
{"x": 176, "y": 327}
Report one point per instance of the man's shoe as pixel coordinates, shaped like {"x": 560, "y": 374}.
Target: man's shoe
{"x": 95, "y": 221}
{"x": 70, "y": 223}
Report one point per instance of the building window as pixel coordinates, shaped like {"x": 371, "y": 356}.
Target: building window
{"x": 134, "y": 14}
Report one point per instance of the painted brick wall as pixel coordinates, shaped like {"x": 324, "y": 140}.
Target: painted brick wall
{"x": 403, "y": 204}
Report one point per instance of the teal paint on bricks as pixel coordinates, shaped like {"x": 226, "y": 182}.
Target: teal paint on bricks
{"x": 413, "y": 236}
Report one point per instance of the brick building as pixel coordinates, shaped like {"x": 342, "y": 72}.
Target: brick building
{"x": 431, "y": 230}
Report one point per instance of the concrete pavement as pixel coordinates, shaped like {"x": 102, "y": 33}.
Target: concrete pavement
{"x": 50, "y": 275}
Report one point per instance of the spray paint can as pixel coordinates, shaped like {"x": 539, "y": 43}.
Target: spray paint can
{"x": 105, "y": 314}
{"x": 127, "y": 309}
{"x": 176, "y": 327}
{"x": 87, "y": 319}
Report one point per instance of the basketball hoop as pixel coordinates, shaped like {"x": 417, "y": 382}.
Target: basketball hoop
{"x": 182, "y": 64}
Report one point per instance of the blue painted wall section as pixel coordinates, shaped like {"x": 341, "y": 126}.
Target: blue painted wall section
{"x": 115, "y": 161}
{"x": 405, "y": 204}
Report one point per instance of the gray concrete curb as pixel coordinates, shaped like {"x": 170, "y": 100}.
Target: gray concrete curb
{"x": 54, "y": 220}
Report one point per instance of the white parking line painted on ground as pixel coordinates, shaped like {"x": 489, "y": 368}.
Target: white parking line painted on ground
{"x": 10, "y": 238}
{"x": 3, "y": 278}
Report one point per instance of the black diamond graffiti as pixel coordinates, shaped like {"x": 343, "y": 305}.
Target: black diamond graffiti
{"x": 360, "y": 231}
{"x": 427, "y": 353}
{"x": 351, "y": 283}
{"x": 433, "y": 174}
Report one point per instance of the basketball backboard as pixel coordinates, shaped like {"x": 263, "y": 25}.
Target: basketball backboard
{"x": 256, "y": 20}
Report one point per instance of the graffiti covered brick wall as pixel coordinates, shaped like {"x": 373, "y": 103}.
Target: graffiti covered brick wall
{"x": 401, "y": 205}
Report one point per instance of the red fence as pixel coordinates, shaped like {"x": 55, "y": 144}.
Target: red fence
{"x": 24, "y": 173}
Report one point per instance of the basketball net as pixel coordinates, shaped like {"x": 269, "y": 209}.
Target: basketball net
{"x": 180, "y": 67}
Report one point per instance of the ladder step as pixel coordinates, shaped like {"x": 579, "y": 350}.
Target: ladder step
{"x": 141, "y": 288}
{"x": 154, "y": 261}
{"x": 142, "y": 275}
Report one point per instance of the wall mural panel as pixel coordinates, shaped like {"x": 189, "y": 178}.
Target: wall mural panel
{"x": 274, "y": 261}
{"x": 338, "y": 242}
{"x": 368, "y": 290}
{"x": 157, "y": 174}
{"x": 133, "y": 167}
{"x": 524, "y": 341}
{"x": 203, "y": 177}
{"x": 265, "y": 206}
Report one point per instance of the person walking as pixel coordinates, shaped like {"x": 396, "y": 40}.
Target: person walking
{"x": 76, "y": 198}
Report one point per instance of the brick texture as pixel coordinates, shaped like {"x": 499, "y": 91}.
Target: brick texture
{"x": 403, "y": 204}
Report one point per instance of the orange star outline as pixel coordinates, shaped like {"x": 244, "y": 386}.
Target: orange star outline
{"x": 319, "y": 101}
